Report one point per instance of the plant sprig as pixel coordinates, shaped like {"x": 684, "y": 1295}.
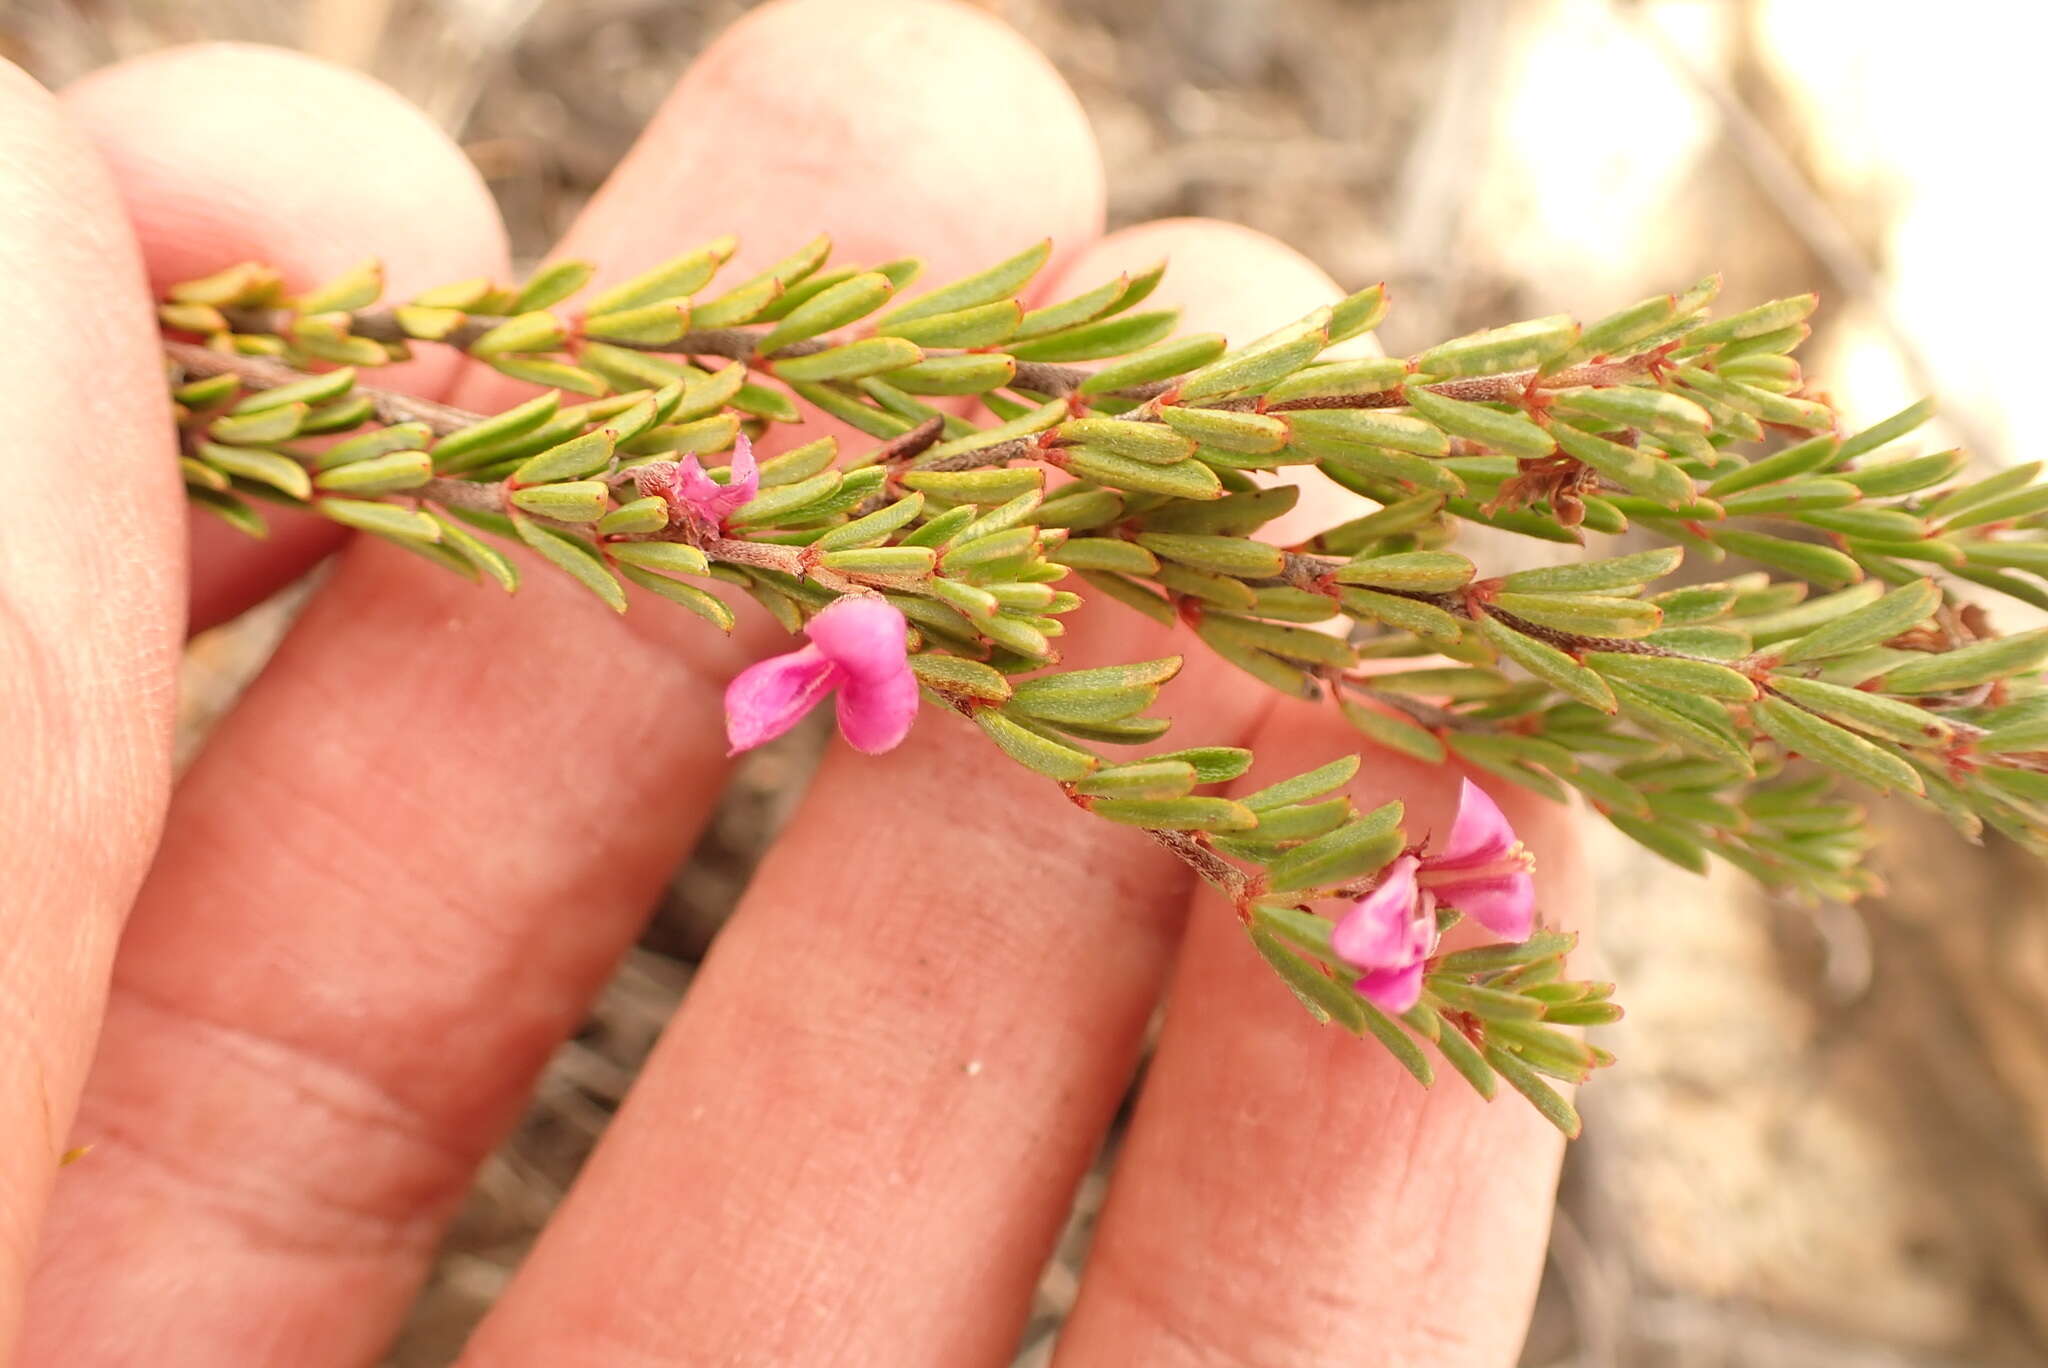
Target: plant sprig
{"x": 1703, "y": 719}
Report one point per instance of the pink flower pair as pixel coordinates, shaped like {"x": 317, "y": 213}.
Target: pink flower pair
{"x": 1482, "y": 871}
{"x": 857, "y": 648}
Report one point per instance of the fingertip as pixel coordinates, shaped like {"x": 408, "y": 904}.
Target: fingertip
{"x": 228, "y": 152}
{"x": 917, "y": 126}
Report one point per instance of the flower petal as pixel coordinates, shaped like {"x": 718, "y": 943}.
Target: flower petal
{"x": 1479, "y": 833}
{"x": 769, "y": 697}
{"x": 746, "y": 474}
{"x": 705, "y": 497}
{"x": 690, "y": 482}
{"x": 1504, "y": 904}
{"x": 875, "y": 714}
{"x": 1393, "y": 991}
{"x": 863, "y": 634}
{"x": 1376, "y": 932}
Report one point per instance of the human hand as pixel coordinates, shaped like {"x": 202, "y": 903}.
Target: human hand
{"x": 379, "y": 902}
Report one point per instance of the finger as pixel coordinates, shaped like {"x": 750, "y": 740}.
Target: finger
{"x": 226, "y": 153}
{"x": 425, "y": 881}
{"x": 859, "y": 1139}
{"x": 91, "y": 582}
{"x": 1291, "y": 1195}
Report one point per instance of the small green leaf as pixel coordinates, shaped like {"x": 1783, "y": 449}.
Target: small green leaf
{"x": 537, "y": 331}
{"x": 984, "y": 325}
{"x": 571, "y": 460}
{"x": 1106, "y": 553}
{"x": 678, "y": 276}
{"x": 649, "y": 325}
{"x": 831, "y": 308}
{"x": 1764, "y": 318}
{"x": 635, "y": 518}
{"x": 1835, "y": 747}
{"x": 1645, "y": 408}
{"x": 1352, "y": 851}
{"x": 1106, "y": 694}
{"x": 869, "y": 356}
{"x": 312, "y": 391}
{"x": 1370, "y": 427}
{"x": 1546, "y": 1099}
{"x": 1145, "y": 779}
{"x": 1968, "y": 666}
{"x": 386, "y": 520}
{"x": 1160, "y": 361}
{"x": 541, "y": 370}
{"x": 1339, "y": 379}
{"x": 1392, "y": 731}
{"x": 1152, "y": 443}
{"x": 1694, "y": 721}
{"x": 579, "y": 501}
{"x": 999, "y": 281}
{"x": 1325, "y": 998}
{"x": 1890, "y": 430}
{"x": 450, "y": 452}
{"x": 281, "y": 473}
{"x": 1880, "y": 716}
{"x": 1426, "y": 620}
{"x": 1519, "y": 346}
{"x": 1358, "y": 313}
{"x": 1821, "y": 564}
{"x": 874, "y": 528}
{"x": 1177, "y": 814}
{"x": 276, "y": 424}
{"x": 1505, "y": 432}
{"x": 1666, "y": 672}
{"x": 705, "y": 605}
{"x": 1233, "y": 556}
{"x": 1111, "y": 296}
{"x": 1261, "y": 362}
{"x": 1645, "y": 472}
{"x": 379, "y": 474}
{"x": 1594, "y": 615}
{"x": 1548, "y": 664}
{"x": 1302, "y": 787}
{"x": 968, "y": 373}
{"x": 552, "y": 284}
{"x": 669, "y": 557}
{"x": 1888, "y": 478}
{"x": 1035, "y": 752}
{"x": 881, "y": 560}
{"x": 1183, "y": 480}
{"x": 1813, "y": 454}
{"x": 573, "y": 557}
{"x": 1618, "y": 572}
{"x": 1213, "y": 764}
{"x": 1899, "y": 611}
{"x": 1418, "y": 571}
{"x": 356, "y": 288}
{"x": 984, "y": 488}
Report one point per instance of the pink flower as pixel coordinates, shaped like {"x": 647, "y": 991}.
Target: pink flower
{"x": 693, "y": 494}
{"x": 1389, "y": 933}
{"x": 1482, "y": 871}
{"x": 857, "y": 647}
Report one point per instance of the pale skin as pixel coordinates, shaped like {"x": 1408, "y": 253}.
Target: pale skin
{"x": 293, "y": 1000}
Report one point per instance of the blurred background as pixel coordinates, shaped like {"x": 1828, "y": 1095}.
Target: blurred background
{"x": 1826, "y": 1145}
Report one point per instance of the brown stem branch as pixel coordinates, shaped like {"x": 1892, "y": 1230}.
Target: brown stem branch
{"x": 259, "y": 373}
{"x": 1225, "y": 877}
